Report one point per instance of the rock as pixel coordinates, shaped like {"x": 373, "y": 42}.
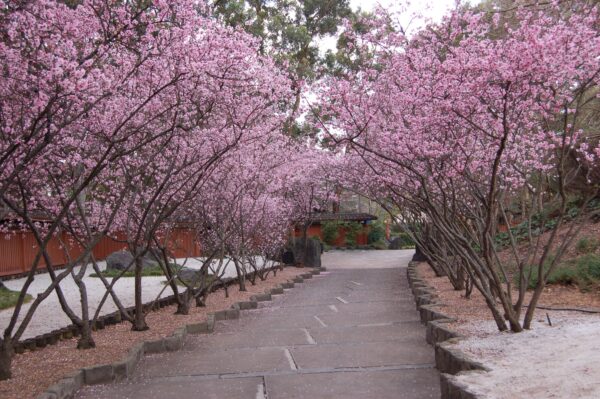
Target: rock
{"x": 396, "y": 243}
{"x": 287, "y": 257}
{"x": 120, "y": 260}
{"x": 189, "y": 275}
{"x": 307, "y": 253}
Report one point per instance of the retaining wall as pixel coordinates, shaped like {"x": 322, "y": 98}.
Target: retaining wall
{"x": 449, "y": 360}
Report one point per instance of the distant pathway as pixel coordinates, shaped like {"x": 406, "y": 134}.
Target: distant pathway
{"x": 351, "y": 332}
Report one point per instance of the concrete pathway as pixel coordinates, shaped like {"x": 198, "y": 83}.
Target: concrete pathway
{"x": 351, "y": 332}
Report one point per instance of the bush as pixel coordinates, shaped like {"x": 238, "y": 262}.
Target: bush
{"x": 376, "y": 233}
{"x": 406, "y": 240}
{"x": 583, "y": 272}
{"x": 587, "y": 245}
{"x": 588, "y": 269}
{"x": 352, "y": 230}
{"x": 330, "y": 231}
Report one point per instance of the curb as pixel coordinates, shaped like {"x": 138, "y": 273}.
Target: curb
{"x": 123, "y": 369}
{"x": 449, "y": 360}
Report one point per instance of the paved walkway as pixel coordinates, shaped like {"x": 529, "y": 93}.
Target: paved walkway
{"x": 351, "y": 332}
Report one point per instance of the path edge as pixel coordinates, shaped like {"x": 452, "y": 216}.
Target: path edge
{"x": 449, "y": 360}
{"x": 67, "y": 387}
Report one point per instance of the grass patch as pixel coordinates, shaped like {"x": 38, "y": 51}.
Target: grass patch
{"x": 8, "y": 298}
{"x": 154, "y": 271}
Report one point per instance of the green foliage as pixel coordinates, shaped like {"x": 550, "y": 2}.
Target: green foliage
{"x": 542, "y": 222}
{"x": 330, "y": 231}
{"x": 406, "y": 241}
{"x": 588, "y": 269}
{"x": 352, "y": 229}
{"x": 583, "y": 271}
{"x": 587, "y": 245}
{"x": 288, "y": 30}
{"x": 376, "y": 232}
{"x": 8, "y": 298}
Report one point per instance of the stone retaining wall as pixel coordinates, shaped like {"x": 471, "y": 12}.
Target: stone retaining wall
{"x": 123, "y": 369}
{"x": 449, "y": 360}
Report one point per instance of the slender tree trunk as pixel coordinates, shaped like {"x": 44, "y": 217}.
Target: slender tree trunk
{"x": 86, "y": 341}
{"x": 139, "y": 322}
{"x": 240, "y": 274}
{"x": 183, "y": 303}
{"x": 6, "y": 354}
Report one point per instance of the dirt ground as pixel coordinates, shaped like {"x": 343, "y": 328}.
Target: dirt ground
{"x": 34, "y": 371}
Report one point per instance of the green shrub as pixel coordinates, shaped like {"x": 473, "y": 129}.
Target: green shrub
{"x": 563, "y": 275}
{"x": 583, "y": 272}
{"x": 406, "y": 240}
{"x": 330, "y": 231}
{"x": 352, "y": 230}
{"x": 376, "y": 233}
{"x": 588, "y": 269}
{"x": 587, "y": 245}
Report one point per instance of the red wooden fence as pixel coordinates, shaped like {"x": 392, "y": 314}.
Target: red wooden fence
{"x": 18, "y": 250}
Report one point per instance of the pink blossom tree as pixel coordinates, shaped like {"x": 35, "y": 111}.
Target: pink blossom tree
{"x": 458, "y": 122}
{"x": 114, "y": 119}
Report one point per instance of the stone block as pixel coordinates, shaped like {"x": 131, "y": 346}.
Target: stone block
{"x": 98, "y": 374}
{"x": 121, "y": 370}
{"x": 197, "y": 328}
{"x": 173, "y": 343}
{"x": 277, "y": 291}
{"x": 210, "y": 321}
{"x": 220, "y": 315}
{"x": 77, "y": 378}
{"x": 248, "y": 305}
{"x": 157, "y": 346}
{"x": 232, "y": 314}
{"x": 261, "y": 297}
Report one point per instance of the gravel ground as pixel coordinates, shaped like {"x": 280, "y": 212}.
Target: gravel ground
{"x": 547, "y": 362}
{"x": 33, "y": 372}
{"x": 558, "y": 361}
{"x": 49, "y": 316}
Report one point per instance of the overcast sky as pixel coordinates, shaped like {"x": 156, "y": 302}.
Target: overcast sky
{"x": 431, "y": 8}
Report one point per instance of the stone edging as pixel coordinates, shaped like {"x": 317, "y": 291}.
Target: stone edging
{"x": 121, "y": 370}
{"x": 449, "y": 360}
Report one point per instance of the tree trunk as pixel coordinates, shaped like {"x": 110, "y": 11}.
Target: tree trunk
{"x": 6, "y": 354}
{"x": 240, "y": 274}
{"x": 183, "y": 303}
{"x": 139, "y": 322}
